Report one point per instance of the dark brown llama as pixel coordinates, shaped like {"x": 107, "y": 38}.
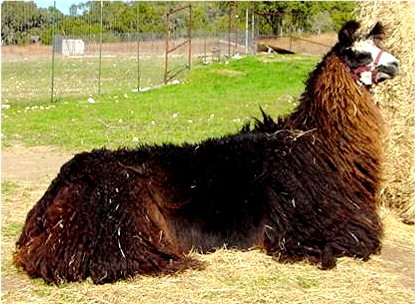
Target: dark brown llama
{"x": 303, "y": 187}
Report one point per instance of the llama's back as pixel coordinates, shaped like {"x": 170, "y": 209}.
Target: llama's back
{"x": 114, "y": 214}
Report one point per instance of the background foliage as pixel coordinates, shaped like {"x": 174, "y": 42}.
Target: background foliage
{"x": 22, "y": 21}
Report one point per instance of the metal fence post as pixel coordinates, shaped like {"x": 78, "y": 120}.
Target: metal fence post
{"x": 246, "y": 30}
{"x": 189, "y": 34}
{"x": 205, "y": 36}
{"x": 188, "y": 41}
{"x": 53, "y": 54}
{"x": 166, "y": 57}
{"x": 100, "y": 54}
{"x": 138, "y": 47}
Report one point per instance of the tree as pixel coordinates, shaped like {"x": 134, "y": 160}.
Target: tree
{"x": 20, "y": 21}
{"x": 73, "y": 10}
{"x": 297, "y": 16}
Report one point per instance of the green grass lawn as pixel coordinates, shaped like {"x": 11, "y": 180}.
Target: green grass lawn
{"x": 29, "y": 80}
{"x": 212, "y": 101}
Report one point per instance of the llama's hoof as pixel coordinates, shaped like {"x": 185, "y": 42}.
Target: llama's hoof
{"x": 328, "y": 260}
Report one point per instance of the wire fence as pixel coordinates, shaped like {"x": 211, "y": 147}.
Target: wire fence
{"x": 95, "y": 58}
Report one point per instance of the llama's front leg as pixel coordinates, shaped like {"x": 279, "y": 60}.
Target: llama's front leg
{"x": 327, "y": 258}
{"x": 290, "y": 248}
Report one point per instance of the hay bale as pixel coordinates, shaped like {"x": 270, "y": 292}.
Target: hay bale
{"x": 396, "y": 99}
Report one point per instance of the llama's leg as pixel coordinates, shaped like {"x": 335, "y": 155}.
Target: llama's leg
{"x": 359, "y": 236}
{"x": 291, "y": 247}
{"x": 57, "y": 238}
{"x": 287, "y": 234}
{"x": 327, "y": 258}
{"x": 320, "y": 233}
{"x": 287, "y": 249}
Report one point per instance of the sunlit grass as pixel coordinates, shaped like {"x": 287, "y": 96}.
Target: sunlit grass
{"x": 212, "y": 101}
{"x": 30, "y": 80}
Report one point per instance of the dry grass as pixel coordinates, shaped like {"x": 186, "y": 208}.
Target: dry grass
{"x": 397, "y": 99}
{"x": 230, "y": 276}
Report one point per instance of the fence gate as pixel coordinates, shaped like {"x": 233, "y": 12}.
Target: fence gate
{"x": 178, "y": 41}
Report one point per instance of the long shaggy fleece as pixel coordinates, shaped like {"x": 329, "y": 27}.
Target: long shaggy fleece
{"x": 111, "y": 215}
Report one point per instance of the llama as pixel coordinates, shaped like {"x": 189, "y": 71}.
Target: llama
{"x": 301, "y": 188}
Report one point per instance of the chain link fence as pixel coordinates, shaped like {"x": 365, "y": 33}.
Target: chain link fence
{"x": 95, "y": 58}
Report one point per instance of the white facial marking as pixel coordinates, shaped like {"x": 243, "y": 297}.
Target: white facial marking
{"x": 369, "y": 46}
{"x": 366, "y": 77}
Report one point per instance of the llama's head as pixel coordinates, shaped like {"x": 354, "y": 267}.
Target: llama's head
{"x": 363, "y": 56}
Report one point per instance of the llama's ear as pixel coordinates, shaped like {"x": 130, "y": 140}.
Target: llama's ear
{"x": 347, "y": 33}
{"x": 377, "y": 32}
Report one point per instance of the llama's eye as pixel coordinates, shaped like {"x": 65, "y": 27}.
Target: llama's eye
{"x": 357, "y": 58}
{"x": 363, "y": 56}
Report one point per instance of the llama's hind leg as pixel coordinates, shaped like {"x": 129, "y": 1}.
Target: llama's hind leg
{"x": 56, "y": 241}
{"x": 76, "y": 231}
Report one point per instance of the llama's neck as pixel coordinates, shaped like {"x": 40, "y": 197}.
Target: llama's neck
{"x": 336, "y": 106}
{"x": 345, "y": 123}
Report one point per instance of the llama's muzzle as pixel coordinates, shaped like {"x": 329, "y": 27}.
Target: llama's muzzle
{"x": 388, "y": 71}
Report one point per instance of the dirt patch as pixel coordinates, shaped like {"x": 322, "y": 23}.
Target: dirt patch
{"x": 310, "y": 44}
{"x": 398, "y": 250}
{"x": 24, "y": 164}
{"x": 16, "y": 52}
{"x": 306, "y": 45}
{"x": 400, "y": 260}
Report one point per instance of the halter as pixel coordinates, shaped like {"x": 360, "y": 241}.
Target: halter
{"x": 366, "y": 68}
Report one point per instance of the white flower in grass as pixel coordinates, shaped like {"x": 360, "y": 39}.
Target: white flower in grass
{"x": 135, "y": 139}
{"x": 175, "y": 115}
{"x": 91, "y": 100}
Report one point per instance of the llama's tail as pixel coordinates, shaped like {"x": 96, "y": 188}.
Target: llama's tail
{"x": 99, "y": 220}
